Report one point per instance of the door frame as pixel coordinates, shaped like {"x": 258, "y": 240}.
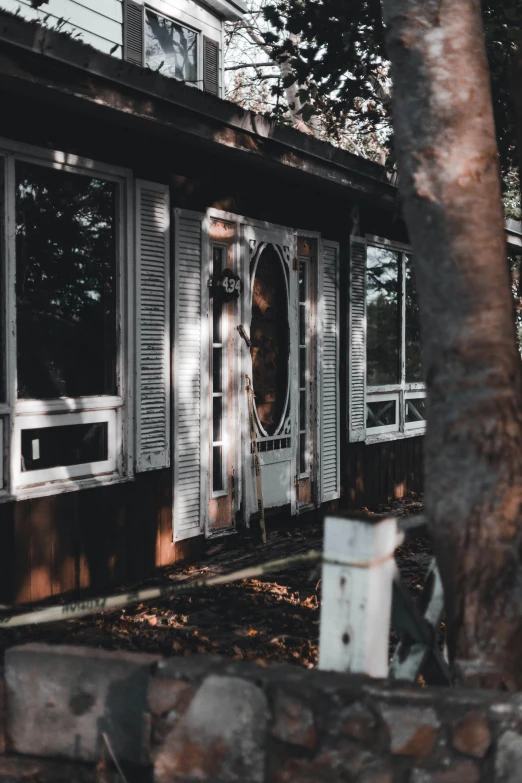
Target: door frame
{"x": 244, "y": 496}
{"x": 315, "y": 338}
{"x": 234, "y": 434}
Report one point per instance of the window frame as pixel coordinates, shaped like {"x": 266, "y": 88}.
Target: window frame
{"x": 224, "y": 394}
{"x": 117, "y": 407}
{"x": 414, "y": 425}
{"x": 385, "y": 398}
{"x": 61, "y": 473}
{"x": 305, "y": 261}
{"x": 198, "y": 84}
{"x": 403, "y": 390}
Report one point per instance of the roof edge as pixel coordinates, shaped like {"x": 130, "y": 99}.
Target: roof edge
{"x": 230, "y": 10}
{"x": 59, "y": 46}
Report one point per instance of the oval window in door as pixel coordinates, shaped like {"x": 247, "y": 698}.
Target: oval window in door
{"x": 270, "y": 340}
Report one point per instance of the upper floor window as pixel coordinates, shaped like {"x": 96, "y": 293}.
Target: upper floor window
{"x": 170, "y": 48}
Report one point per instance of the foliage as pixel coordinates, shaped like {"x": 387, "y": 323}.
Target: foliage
{"x": 336, "y": 50}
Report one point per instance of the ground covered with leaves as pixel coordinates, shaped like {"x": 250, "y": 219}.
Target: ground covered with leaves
{"x": 274, "y": 618}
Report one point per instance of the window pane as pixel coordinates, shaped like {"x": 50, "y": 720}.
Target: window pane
{"x": 217, "y": 469}
{"x": 73, "y": 444}
{"x": 170, "y": 48}
{"x": 303, "y": 456}
{"x": 381, "y": 414}
{"x": 382, "y": 301}
{"x": 302, "y": 324}
{"x": 217, "y": 407}
{"x": 415, "y": 410}
{"x": 218, "y": 265}
{"x": 302, "y": 274}
{"x": 216, "y": 370}
{"x": 65, "y": 283}
{"x": 269, "y": 333}
{"x": 2, "y": 268}
{"x": 302, "y": 410}
{"x": 302, "y": 368}
{"x": 413, "y": 337}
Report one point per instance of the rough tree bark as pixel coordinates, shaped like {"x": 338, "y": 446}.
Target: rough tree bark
{"x": 450, "y": 185}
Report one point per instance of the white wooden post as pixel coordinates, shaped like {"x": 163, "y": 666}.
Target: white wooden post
{"x": 358, "y": 571}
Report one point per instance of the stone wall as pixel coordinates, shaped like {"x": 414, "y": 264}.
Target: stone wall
{"x": 67, "y": 710}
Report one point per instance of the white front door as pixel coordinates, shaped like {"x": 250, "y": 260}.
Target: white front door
{"x": 270, "y": 303}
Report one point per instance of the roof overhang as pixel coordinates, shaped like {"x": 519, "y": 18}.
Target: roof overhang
{"x": 91, "y": 81}
{"x": 231, "y": 10}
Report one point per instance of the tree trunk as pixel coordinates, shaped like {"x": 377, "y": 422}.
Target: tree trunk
{"x": 450, "y": 186}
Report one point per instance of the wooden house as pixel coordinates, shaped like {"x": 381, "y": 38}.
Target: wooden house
{"x": 161, "y": 250}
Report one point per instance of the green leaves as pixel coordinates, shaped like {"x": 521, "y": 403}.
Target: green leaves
{"x": 338, "y": 59}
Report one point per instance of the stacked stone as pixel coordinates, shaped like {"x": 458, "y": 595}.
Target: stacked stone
{"x": 69, "y": 711}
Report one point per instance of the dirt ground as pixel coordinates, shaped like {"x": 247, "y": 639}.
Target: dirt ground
{"x": 275, "y": 618}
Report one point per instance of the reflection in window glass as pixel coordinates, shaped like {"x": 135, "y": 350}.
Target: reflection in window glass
{"x": 415, "y": 410}
{"x": 382, "y": 303}
{"x": 269, "y": 337}
{"x": 413, "y": 336}
{"x": 170, "y": 48}
{"x": 74, "y": 444}
{"x": 381, "y": 413}
{"x": 2, "y": 266}
{"x": 65, "y": 283}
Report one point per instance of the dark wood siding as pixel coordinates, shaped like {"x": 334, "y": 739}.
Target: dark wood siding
{"x": 90, "y": 540}
{"x": 382, "y": 471}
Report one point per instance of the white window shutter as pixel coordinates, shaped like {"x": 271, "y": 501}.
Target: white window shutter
{"x": 357, "y": 342}
{"x": 152, "y": 326}
{"x": 189, "y": 404}
{"x": 329, "y": 369}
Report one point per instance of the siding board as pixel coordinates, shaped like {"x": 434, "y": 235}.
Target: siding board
{"x": 188, "y": 12}
{"x": 373, "y": 474}
{"x": 101, "y": 30}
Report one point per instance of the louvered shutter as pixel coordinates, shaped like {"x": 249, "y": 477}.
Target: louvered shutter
{"x": 210, "y": 66}
{"x": 189, "y": 407}
{"x": 329, "y": 367}
{"x": 152, "y": 326}
{"x": 133, "y": 32}
{"x": 357, "y": 342}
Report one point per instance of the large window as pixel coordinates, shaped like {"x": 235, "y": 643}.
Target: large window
{"x": 395, "y": 396}
{"x": 65, "y": 283}
{"x": 170, "y": 47}
{"x": 61, "y": 392}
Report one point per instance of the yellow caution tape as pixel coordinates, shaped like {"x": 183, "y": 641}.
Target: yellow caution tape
{"x": 82, "y": 608}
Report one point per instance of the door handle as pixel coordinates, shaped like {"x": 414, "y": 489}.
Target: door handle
{"x": 241, "y": 330}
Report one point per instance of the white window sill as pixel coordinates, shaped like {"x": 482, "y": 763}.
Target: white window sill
{"x": 384, "y": 437}
{"x": 60, "y": 488}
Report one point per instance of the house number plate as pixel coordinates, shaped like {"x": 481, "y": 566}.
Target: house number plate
{"x": 230, "y": 284}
